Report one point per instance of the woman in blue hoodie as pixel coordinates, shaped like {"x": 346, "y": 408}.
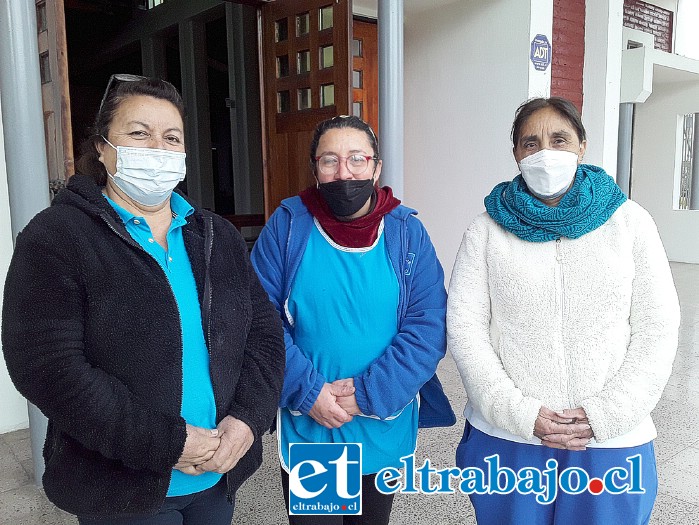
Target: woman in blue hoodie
{"x": 360, "y": 291}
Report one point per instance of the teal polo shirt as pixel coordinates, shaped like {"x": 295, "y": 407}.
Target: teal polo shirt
{"x": 198, "y": 405}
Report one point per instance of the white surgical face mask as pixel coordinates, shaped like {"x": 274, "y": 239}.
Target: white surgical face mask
{"x": 147, "y": 175}
{"x": 548, "y": 173}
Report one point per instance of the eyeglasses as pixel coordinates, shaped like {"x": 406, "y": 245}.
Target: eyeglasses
{"x": 356, "y": 164}
{"x": 118, "y": 77}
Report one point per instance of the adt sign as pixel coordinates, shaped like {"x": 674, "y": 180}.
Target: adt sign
{"x": 540, "y": 53}
{"x": 325, "y": 478}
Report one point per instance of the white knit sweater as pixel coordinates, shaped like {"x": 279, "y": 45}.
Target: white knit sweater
{"x": 591, "y": 322}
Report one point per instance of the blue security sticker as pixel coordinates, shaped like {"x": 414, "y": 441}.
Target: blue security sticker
{"x": 540, "y": 52}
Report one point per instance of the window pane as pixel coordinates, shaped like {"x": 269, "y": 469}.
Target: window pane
{"x": 356, "y": 47}
{"x": 148, "y": 4}
{"x": 686, "y": 166}
{"x": 283, "y": 101}
{"x": 281, "y": 30}
{"x": 357, "y": 109}
{"x": 304, "y": 98}
{"x": 304, "y": 61}
{"x": 283, "y": 66}
{"x": 303, "y": 23}
{"x": 327, "y": 95}
{"x": 44, "y": 67}
{"x": 326, "y": 57}
{"x": 41, "y": 17}
{"x": 357, "y": 79}
{"x": 326, "y": 17}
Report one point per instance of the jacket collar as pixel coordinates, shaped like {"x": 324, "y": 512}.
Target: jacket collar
{"x": 296, "y": 209}
{"x": 83, "y": 192}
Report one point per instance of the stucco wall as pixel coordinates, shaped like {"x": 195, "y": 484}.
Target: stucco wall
{"x": 656, "y": 149}
{"x": 465, "y": 74}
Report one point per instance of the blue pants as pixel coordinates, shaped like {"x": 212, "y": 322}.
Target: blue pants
{"x": 208, "y": 507}
{"x": 584, "y": 508}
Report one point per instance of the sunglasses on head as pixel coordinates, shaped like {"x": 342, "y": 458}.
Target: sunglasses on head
{"x": 113, "y": 80}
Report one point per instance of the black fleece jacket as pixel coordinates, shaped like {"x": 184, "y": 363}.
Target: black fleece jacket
{"x": 91, "y": 335}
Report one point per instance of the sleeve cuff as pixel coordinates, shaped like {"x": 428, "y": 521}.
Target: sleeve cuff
{"x": 594, "y": 411}
{"x": 361, "y": 396}
{"x": 240, "y": 414}
{"x": 312, "y": 395}
{"x": 178, "y": 437}
{"x": 530, "y": 413}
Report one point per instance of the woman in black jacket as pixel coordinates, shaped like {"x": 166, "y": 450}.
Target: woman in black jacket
{"x": 136, "y": 323}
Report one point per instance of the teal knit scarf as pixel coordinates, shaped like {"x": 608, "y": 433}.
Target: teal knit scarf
{"x": 592, "y": 199}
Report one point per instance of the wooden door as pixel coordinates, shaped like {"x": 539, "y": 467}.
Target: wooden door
{"x": 365, "y": 72}
{"x": 53, "y": 63}
{"x": 306, "y": 79}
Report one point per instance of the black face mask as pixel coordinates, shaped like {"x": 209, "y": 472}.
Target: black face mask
{"x": 346, "y": 197}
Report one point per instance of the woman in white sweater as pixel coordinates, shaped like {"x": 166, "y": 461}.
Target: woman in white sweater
{"x": 563, "y": 320}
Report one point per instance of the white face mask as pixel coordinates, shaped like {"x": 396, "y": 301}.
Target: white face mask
{"x": 147, "y": 175}
{"x": 548, "y": 173}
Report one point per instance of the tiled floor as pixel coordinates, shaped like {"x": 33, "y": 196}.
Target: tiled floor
{"x": 260, "y": 501}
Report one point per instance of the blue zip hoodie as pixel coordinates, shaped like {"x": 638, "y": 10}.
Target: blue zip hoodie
{"x": 408, "y": 365}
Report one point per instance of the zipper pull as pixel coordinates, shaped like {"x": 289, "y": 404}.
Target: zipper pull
{"x": 559, "y": 255}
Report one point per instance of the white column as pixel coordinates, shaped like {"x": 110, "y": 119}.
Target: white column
{"x": 391, "y": 93}
{"x": 25, "y": 156}
{"x": 602, "y": 81}
{"x": 14, "y": 407}
{"x": 540, "y": 23}
{"x": 625, "y": 142}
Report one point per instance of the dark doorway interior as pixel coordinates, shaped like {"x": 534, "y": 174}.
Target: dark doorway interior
{"x": 116, "y": 36}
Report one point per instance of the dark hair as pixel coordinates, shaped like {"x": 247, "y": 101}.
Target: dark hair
{"x": 88, "y": 163}
{"x": 342, "y": 121}
{"x": 565, "y": 108}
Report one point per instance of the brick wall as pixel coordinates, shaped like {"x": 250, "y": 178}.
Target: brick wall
{"x": 568, "y": 50}
{"x": 652, "y": 19}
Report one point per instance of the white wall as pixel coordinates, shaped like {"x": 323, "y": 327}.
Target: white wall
{"x": 467, "y": 69}
{"x": 369, "y": 8}
{"x": 13, "y": 414}
{"x": 655, "y": 166}
{"x": 685, "y": 33}
{"x": 670, "y": 5}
